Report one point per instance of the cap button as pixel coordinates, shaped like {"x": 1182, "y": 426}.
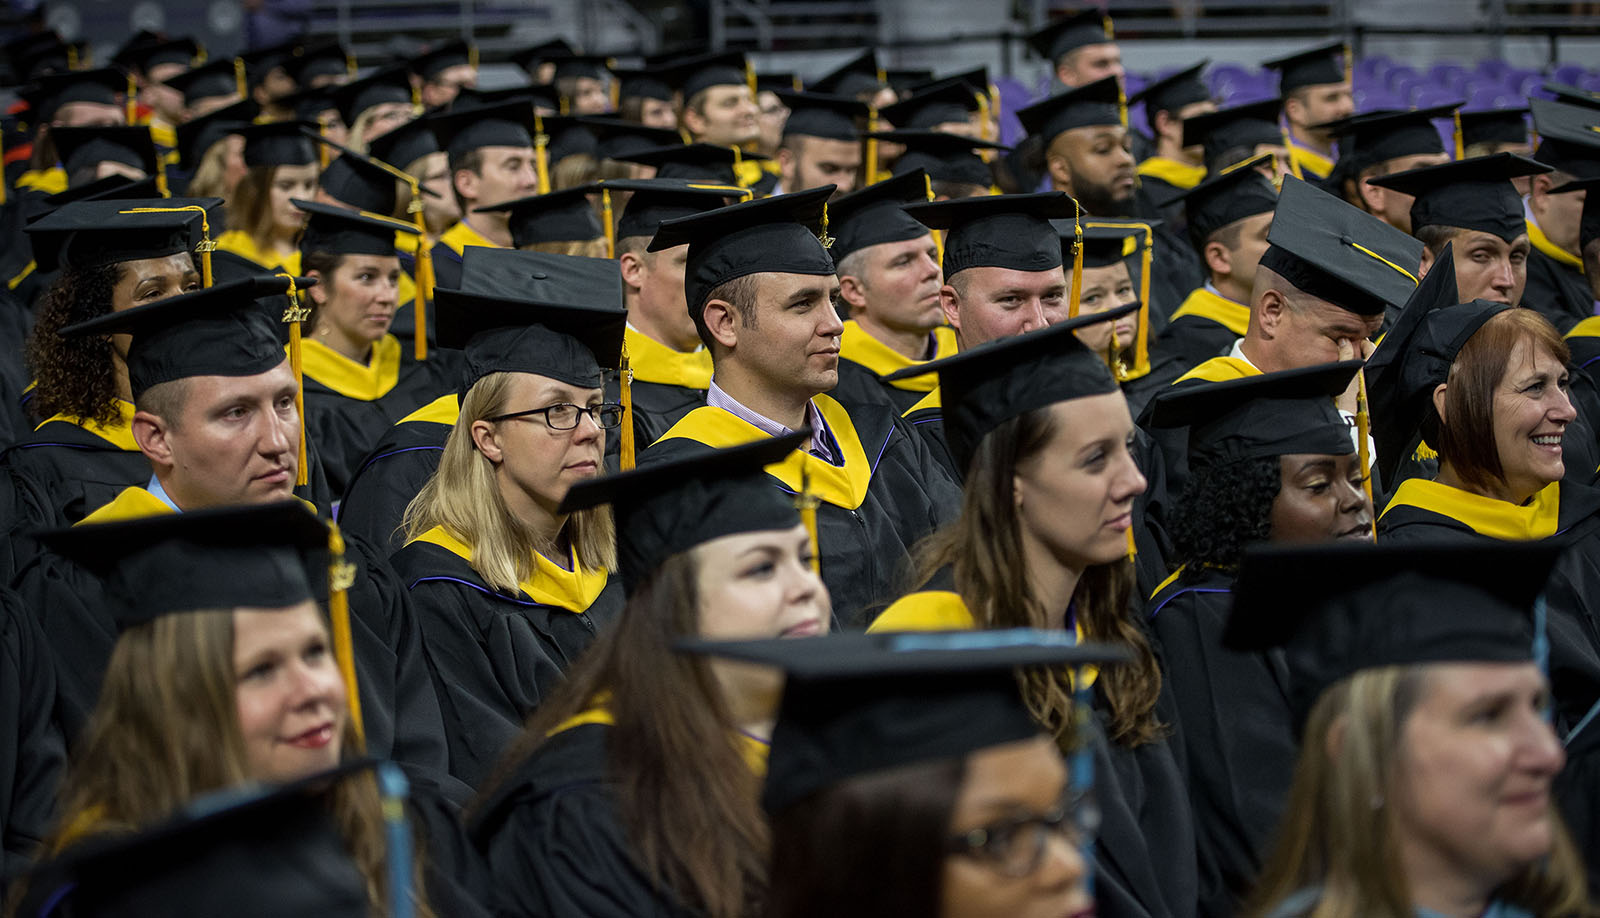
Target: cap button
{"x": 1345, "y": 238}
{"x": 539, "y": 275}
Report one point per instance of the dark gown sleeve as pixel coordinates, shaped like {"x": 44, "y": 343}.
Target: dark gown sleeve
{"x": 375, "y": 502}
{"x": 1556, "y": 292}
{"x": 69, "y": 605}
{"x": 32, "y": 754}
{"x": 454, "y": 874}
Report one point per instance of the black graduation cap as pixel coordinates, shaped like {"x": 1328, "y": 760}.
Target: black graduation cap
{"x": 1589, "y": 222}
{"x": 49, "y": 92}
{"x": 1506, "y": 125}
{"x": 141, "y": 56}
{"x": 667, "y": 508}
{"x": 556, "y": 216}
{"x": 655, "y": 201}
{"x": 1225, "y": 198}
{"x": 258, "y": 62}
{"x": 1231, "y": 134}
{"x": 391, "y": 84}
{"x": 1339, "y": 253}
{"x": 1173, "y": 92}
{"x": 643, "y": 84}
{"x": 944, "y": 156}
{"x": 814, "y": 114}
{"x": 467, "y": 128}
{"x": 442, "y": 58}
{"x": 701, "y": 162}
{"x": 82, "y": 147}
{"x": 106, "y": 231}
{"x": 529, "y": 59}
{"x": 358, "y": 181}
{"x": 875, "y": 215}
{"x": 1071, "y": 32}
{"x": 857, "y": 75}
{"x": 1414, "y": 357}
{"x": 542, "y": 96}
{"x": 769, "y": 81}
{"x": 976, "y": 79}
{"x": 269, "y": 556}
{"x": 781, "y": 235}
{"x": 1090, "y": 105}
{"x": 278, "y": 143}
{"x": 218, "y": 331}
{"x": 322, "y": 58}
{"x": 1378, "y": 137}
{"x": 1105, "y": 242}
{"x": 1000, "y": 231}
{"x": 1339, "y": 609}
{"x": 943, "y": 102}
{"x": 1572, "y": 94}
{"x": 1317, "y": 66}
{"x": 985, "y": 386}
{"x": 34, "y": 54}
{"x": 860, "y": 704}
{"x": 405, "y": 144}
{"x": 1569, "y": 137}
{"x": 694, "y": 75}
{"x": 574, "y": 65}
{"x": 567, "y": 135}
{"x": 1270, "y": 414}
{"x": 251, "y": 852}
{"x": 339, "y": 231}
{"x": 216, "y": 78}
{"x": 1474, "y": 194}
{"x": 903, "y": 80}
{"x": 112, "y": 187}
{"x": 197, "y": 135}
{"x": 311, "y": 103}
{"x": 559, "y": 316}
{"x": 615, "y": 138}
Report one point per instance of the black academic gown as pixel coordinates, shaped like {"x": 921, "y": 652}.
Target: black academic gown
{"x": 1237, "y": 729}
{"x": 554, "y": 840}
{"x": 32, "y": 755}
{"x": 393, "y": 473}
{"x": 887, "y": 494}
{"x": 349, "y": 407}
{"x": 494, "y": 657}
{"x": 1175, "y": 269}
{"x": 398, "y": 707}
{"x": 1557, "y": 291}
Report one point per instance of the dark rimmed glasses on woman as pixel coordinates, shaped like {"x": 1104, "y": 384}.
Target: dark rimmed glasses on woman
{"x": 1016, "y": 847}
{"x": 566, "y": 416}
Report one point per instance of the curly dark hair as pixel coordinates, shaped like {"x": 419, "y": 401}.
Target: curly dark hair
{"x": 75, "y": 376}
{"x": 1222, "y": 509}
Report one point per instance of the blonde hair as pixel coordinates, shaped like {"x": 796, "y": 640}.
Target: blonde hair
{"x": 210, "y": 178}
{"x": 589, "y": 248}
{"x": 166, "y": 730}
{"x": 464, "y": 499}
{"x": 1337, "y": 833}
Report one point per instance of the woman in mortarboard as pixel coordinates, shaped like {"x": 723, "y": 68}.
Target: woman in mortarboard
{"x": 1423, "y": 785}
{"x": 263, "y": 222}
{"x": 211, "y": 151}
{"x": 359, "y": 378}
{"x": 1270, "y": 460}
{"x": 634, "y": 788}
{"x": 510, "y": 589}
{"x": 1042, "y": 433}
{"x": 226, "y": 672}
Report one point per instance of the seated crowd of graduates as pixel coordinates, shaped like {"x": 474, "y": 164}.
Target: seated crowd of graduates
{"x": 706, "y": 497}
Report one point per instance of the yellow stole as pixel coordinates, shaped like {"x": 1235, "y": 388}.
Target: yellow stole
{"x": 443, "y": 410}
{"x": 1174, "y": 173}
{"x": 942, "y": 610}
{"x": 1218, "y": 369}
{"x": 1203, "y": 304}
{"x": 1588, "y": 328}
{"x": 929, "y": 402}
{"x": 752, "y": 750}
{"x": 459, "y": 236}
{"x": 239, "y": 243}
{"x": 130, "y": 504}
{"x": 654, "y": 362}
{"x": 548, "y": 585}
{"x": 1310, "y": 161}
{"x": 840, "y": 485}
{"x": 1486, "y": 516}
{"x": 858, "y": 345}
{"x": 50, "y": 181}
{"x": 1542, "y": 243}
{"x": 119, "y": 434}
{"x": 363, "y": 382}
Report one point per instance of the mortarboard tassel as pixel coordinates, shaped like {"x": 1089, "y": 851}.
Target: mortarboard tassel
{"x": 1141, "y": 347}
{"x": 1077, "y": 261}
{"x": 625, "y": 385}
{"x": 608, "y": 223}
{"x": 472, "y": 55}
{"x": 324, "y": 155}
{"x": 1455, "y": 133}
{"x": 2, "y": 159}
{"x": 342, "y": 576}
{"x": 983, "y": 115}
{"x": 541, "y": 153}
{"x": 938, "y": 235}
{"x": 206, "y": 245}
{"x": 132, "y": 105}
{"x": 1349, "y": 63}
{"x": 807, "y": 503}
{"x": 870, "y": 154}
{"x": 750, "y": 78}
{"x": 425, "y": 279}
{"x": 1288, "y": 147}
{"x": 72, "y": 57}
{"x": 240, "y": 81}
{"x": 294, "y": 315}
{"x": 1364, "y": 424}
{"x": 615, "y": 91}
{"x": 161, "y": 177}
{"x": 350, "y": 65}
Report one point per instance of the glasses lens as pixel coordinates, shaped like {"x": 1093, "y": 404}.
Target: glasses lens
{"x": 609, "y": 416}
{"x": 562, "y": 417}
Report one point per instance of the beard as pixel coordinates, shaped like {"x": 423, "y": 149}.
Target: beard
{"x": 1097, "y": 200}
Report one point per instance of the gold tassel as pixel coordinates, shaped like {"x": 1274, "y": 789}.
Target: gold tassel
{"x": 1288, "y": 146}
{"x": 2, "y": 159}
{"x": 983, "y": 115}
{"x": 1349, "y": 65}
{"x": 424, "y": 296}
{"x": 938, "y": 235}
{"x": 294, "y": 315}
{"x": 206, "y": 246}
{"x": 871, "y": 152}
{"x": 241, "y": 81}
{"x": 750, "y": 77}
{"x": 341, "y": 577}
{"x": 608, "y": 225}
{"x": 625, "y": 385}
{"x": 1363, "y": 425}
{"x": 807, "y": 504}
{"x": 1077, "y": 262}
{"x": 1461, "y": 146}
{"x": 1141, "y": 350}
{"x": 541, "y": 156}
{"x": 824, "y": 238}
{"x": 132, "y": 105}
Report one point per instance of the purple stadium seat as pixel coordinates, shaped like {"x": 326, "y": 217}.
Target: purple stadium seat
{"x": 1568, "y": 73}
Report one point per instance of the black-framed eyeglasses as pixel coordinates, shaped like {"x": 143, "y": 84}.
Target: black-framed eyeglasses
{"x": 1016, "y": 847}
{"x": 565, "y": 416}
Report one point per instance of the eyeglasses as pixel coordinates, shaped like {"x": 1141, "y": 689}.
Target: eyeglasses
{"x": 1016, "y": 847}
{"x": 565, "y": 416}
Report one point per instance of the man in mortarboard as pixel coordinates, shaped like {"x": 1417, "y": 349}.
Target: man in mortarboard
{"x": 266, "y": 72}
{"x": 1471, "y": 205}
{"x": 953, "y": 162}
{"x": 583, "y": 83}
{"x": 1569, "y": 142}
{"x": 443, "y": 72}
{"x": 90, "y": 154}
{"x": 215, "y": 415}
{"x": 1314, "y": 86}
{"x": 77, "y": 98}
{"x": 1168, "y": 103}
{"x": 1485, "y": 133}
{"x": 820, "y": 143}
{"x": 1229, "y": 136}
{"x": 1384, "y": 143}
{"x": 322, "y": 64}
{"x": 718, "y": 106}
{"x": 1080, "y": 48}
{"x": 492, "y": 160}
{"x": 539, "y": 61}
{"x": 207, "y": 88}
{"x": 860, "y": 77}
{"x": 152, "y": 64}
{"x": 889, "y": 277}
{"x": 949, "y": 106}
{"x": 760, "y": 286}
